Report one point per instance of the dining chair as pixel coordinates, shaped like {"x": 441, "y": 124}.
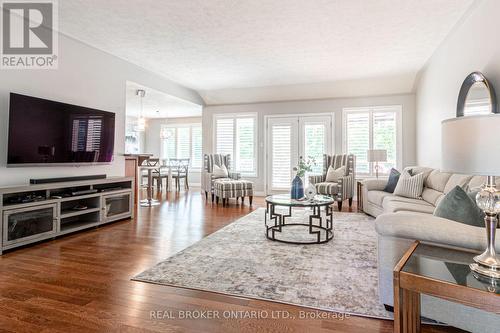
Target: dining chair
{"x": 180, "y": 170}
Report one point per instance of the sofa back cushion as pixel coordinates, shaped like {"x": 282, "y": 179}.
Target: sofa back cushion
{"x": 431, "y": 196}
{"x": 414, "y": 170}
{"x": 456, "y": 180}
{"x": 475, "y": 183}
{"x": 437, "y": 180}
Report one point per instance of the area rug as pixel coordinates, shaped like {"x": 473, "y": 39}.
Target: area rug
{"x": 340, "y": 275}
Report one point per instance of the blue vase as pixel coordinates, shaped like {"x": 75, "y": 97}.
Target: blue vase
{"x": 297, "y": 188}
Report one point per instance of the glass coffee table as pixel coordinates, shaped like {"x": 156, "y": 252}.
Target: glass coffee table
{"x": 440, "y": 272}
{"x": 316, "y": 231}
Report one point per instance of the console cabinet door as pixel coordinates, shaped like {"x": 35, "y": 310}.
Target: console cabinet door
{"x": 29, "y": 224}
{"x": 116, "y": 206}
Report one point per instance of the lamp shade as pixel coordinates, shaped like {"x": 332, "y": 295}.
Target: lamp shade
{"x": 376, "y": 155}
{"x": 471, "y": 145}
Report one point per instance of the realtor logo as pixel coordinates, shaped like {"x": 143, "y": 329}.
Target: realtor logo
{"x": 29, "y": 34}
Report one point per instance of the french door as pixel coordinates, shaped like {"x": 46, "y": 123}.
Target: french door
{"x": 289, "y": 138}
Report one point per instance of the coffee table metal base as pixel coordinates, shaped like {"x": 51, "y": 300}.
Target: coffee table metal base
{"x": 318, "y": 230}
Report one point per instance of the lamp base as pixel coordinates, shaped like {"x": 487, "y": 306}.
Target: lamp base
{"x": 485, "y": 271}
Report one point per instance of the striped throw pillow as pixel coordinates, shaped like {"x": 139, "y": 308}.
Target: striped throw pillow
{"x": 410, "y": 186}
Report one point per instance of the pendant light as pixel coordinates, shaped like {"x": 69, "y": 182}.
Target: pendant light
{"x": 141, "y": 122}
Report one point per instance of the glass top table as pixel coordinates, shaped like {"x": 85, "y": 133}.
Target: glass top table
{"x": 443, "y": 273}
{"x": 314, "y": 228}
{"x": 286, "y": 200}
{"x": 448, "y": 265}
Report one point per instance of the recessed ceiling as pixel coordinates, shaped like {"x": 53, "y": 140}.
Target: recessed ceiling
{"x": 211, "y": 45}
{"x": 157, "y": 104}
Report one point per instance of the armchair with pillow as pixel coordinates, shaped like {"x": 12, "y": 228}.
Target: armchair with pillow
{"x": 337, "y": 179}
{"x": 216, "y": 166}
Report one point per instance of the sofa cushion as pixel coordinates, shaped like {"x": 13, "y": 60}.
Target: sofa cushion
{"x": 414, "y": 170}
{"x": 456, "y": 179}
{"x": 392, "y": 181}
{"x": 458, "y": 206}
{"x": 395, "y": 206}
{"x": 333, "y": 175}
{"x": 437, "y": 180}
{"x": 410, "y": 186}
{"x": 377, "y": 197}
{"x": 431, "y": 196}
{"x": 475, "y": 183}
{"x": 394, "y": 203}
{"x": 327, "y": 188}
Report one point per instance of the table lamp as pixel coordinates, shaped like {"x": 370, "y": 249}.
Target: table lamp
{"x": 470, "y": 146}
{"x": 375, "y": 156}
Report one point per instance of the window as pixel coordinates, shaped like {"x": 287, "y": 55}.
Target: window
{"x": 182, "y": 141}
{"x": 236, "y": 135}
{"x": 373, "y": 128}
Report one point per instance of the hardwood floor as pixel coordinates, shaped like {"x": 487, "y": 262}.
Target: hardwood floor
{"x": 81, "y": 282}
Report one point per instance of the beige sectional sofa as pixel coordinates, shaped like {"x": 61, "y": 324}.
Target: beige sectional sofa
{"x": 400, "y": 221}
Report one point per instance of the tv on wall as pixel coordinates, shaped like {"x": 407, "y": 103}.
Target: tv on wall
{"x": 43, "y": 132}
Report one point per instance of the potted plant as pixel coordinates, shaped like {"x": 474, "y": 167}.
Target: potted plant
{"x": 302, "y": 167}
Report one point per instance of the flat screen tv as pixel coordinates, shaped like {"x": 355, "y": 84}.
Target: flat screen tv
{"x": 43, "y": 132}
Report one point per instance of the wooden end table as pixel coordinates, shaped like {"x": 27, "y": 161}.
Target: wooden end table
{"x": 359, "y": 194}
{"x": 420, "y": 271}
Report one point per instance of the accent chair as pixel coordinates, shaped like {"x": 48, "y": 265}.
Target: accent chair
{"x": 207, "y": 179}
{"x": 342, "y": 189}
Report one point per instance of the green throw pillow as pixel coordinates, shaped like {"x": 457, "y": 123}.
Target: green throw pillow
{"x": 458, "y": 206}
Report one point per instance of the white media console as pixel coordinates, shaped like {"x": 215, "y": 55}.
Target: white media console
{"x": 32, "y": 213}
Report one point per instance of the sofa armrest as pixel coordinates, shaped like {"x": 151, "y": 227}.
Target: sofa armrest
{"x": 374, "y": 184}
{"x": 314, "y": 179}
{"x": 346, "y": 186}
{"x": 432, "y": 229}
{"x": 206, "y": 181}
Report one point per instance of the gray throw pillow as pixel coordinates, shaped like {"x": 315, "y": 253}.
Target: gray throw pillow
{"x": 393, "y": 181}
{"x": 458, "y": 206}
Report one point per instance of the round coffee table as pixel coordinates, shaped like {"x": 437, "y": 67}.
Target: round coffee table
{"x": 321, "y": 233}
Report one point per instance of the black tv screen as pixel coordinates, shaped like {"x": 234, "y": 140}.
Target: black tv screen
{"x": 44, "y": 132}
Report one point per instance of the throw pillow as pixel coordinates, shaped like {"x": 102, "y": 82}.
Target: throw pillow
{"x": 458, "y": 206}
{"x": 220, "y": 171}
{"x": 393, "y": 181}
{"x": 333, "y": 175}
{"x": 410, "y": 186}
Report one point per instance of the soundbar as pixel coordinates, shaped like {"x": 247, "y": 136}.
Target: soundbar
{"x": 65, "y": 179}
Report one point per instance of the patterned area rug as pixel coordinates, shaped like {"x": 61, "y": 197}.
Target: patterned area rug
{"x": 340, "y": 275}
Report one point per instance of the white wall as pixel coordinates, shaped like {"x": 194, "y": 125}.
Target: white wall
{"x": 472, "y": 46}
{"x": 313, "y": 106}
{"x": 86, "y": 76}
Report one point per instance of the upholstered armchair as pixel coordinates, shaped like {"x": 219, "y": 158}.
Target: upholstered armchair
{"x": 207, "y": 179}
{"x": 342, "y": 189}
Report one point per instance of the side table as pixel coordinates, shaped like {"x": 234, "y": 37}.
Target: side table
{"x": 420, "y": 271}
{"x": 359, "y": 194}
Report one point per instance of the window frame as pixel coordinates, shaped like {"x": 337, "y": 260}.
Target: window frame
{"x": 176, "y": 126}
{"x": 398, "y": 110}
{"x": 234, "y": 117}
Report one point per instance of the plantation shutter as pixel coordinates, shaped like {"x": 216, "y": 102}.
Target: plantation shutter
{"x": 384, "y": 135}
{"x": 245, "y": 150}
{"x": 281, "y": 156}
{"x": 358, "y": 138}
{"x": 196, "y": 147}
{"x": 183, "y": 142}
{"x": 225, "y": 136}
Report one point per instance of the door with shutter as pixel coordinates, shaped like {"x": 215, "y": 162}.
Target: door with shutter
{"x": 315, "y": 139}
{"x": 282, "y": 152}
{"x": 288, "y": 139}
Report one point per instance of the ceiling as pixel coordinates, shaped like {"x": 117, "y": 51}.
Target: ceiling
{"x": 157, "y": 104}
{"x": 216, "y": 46}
